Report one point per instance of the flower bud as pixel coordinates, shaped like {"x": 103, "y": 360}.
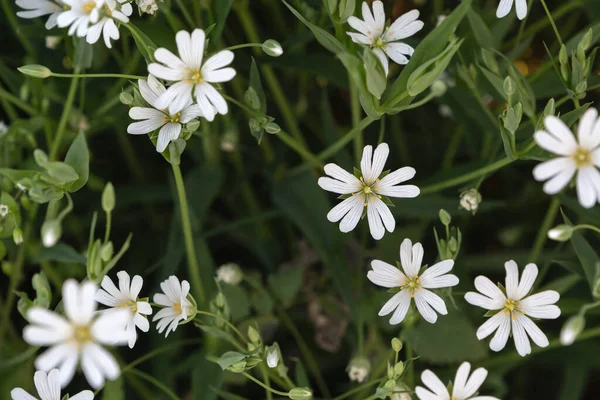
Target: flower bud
{"x": 126, "y": 98}
{"x": 230, "y": 273}
{"x": 300, "y": 394}
{"x": 272, "y": 128}
{"x": 272, "y": 48}
{"x": 470, "y": 200}
{"x": 253, "y": 335}
{"x": 147, "y": 6}
{"x": 108, "y": 198}
{"x": 18, "y": 236}
{"x": 3, "y": 210}
{"x": 445, "y": 217}
{"x": 571, "y": 329}
{"x": 561, "y": 233}
{"x": 272, "y": 357}
{"x": 35, "y": 70}
{"x": 358, "y": 369}
{"x": 51, "y": 232}
{"x": 439, "y": 88}
{"x": 509, "y": 86}
{"x": 396, "y": 345}
{"x": 399, "y": 368}
{"x": 52, "y": 42}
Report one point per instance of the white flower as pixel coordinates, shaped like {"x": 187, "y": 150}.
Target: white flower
{"x": 506, "y": 5}
{"x": 385, "y": 41}
{"x": 126, "y": 297}
{"x": 470, "y": 200}
{"x": 272, "y": 357}
{"x": 191, "y": 76}
{"x": 79, "y": 17}
{"x": 367, "y": 191}
{"x": 229, "y": 273}
{"x": 412, "y": 285}
{"x": 582, "y": 157}
{"x": 514, "y": 308}
{"x": 78, "y": 337}
{"x": 155, "y": 117}
{"x": 178, "y": 306}
{"x": 37, "y": 8}
{"x": 48, "y": 388}
{"x": 358, "y": 369}
{"x": 463, "y": 387}
{"x": 148, "y": 6}
{"x": 112, "y": 10}
{"x": 3, "y": 210}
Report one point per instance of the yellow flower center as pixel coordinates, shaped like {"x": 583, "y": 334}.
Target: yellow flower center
{"x": 82, "y": 334}
{"x": 193, "y": 76}
{"x": 512, "y": 308}
{"x": 177, "y": 308}
{"x": 379, "y": 43}
{"x": 88, "y": 7}
{"x": 107, "y": 10}
{"x": 369, "y": 190}
{"x": 172, "y": 118}
{"x": 582, "y": 157}
{"x": 132, "y": 305}
{"x": 411, "y": 284}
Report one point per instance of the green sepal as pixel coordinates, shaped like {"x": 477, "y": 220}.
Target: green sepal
{"x": 491, "y": 313}
{"x": 386, "y": 200}
{"x": 357, "y": 173}
{"x": 384, "y": 174}
{"x": 344, "y": 196}
{"x": 394, "y": 290}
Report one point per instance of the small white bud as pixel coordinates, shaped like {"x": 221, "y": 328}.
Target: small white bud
{"x": 571, "y": 329}
{"x": 470, "y": 200}
{"x": 272, "y": 357}
{"x": 300, "y": 394}
{"x": 52, "y": 42}
{"x": 229, "y": 273}
{"x": 440, "y": 19}
{"x": 358, "y": 369}
{"x": 272, "y": 48}
{"x": 3, "y": 129}
{"x": 3, "y": 210}
{"x": 561, "y": 233}
{"x": 439, "y": 88}
{"x": 17, "y": 236}
{"x": 148, "y": 6}
{"x": 51, "y": 232}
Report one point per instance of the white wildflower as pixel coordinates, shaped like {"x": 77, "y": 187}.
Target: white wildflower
{"x": 80, "y": 15}
{"x": 148, "y": 6}
{"x": 413, "y": 285}
{"x": 48, "y": 388}
{"x": 37, "y": 8}
{"x": 113, "y": 10}
{"x": 178, "y": 307}
{"x": 367, "y": 191}
{"x": 358, "y": 369}
{"x": 514, "y": 308}
{"x": 272, "y": 357}
{"x": 470, "y": 200}
{"x": 3, "y": 210}
{"x": 464, "y": 386}
{"x": 506, "y": 5}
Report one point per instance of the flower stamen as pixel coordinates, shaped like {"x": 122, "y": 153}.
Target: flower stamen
{"x": 411, "y": 284}
{"x": 88, "y": 7}
{"x": 582, "y": 157}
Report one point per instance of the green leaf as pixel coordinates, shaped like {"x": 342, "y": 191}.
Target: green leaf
{"x": 16, "y": 175}
{"x": 262, "y": 302}
{"x": 286, "y": 283}
{"x": 573, "y": 116}
{"x": 230, "y": 358}
{"x": 221, "y": 9}
{"x": 429, "y": 48}
{"x": 327, "y": 40}
{"x": 84, "y": 53}
{"x": 587, "y": 256}
{"x": 62, "y": 253}
{"x": 114, "y": 390}
{"x": 483, "y": 34}
{"x": 375, "y": 75}
{"x": 255, "y": 83}
{"x": 454, "y": 328}
{"x": 238, "y": 301}
{"x": 78, "y": 157}
{"x": 60, "y": 173}
{"x": 144, "y": 44}
{"x": 356, "y": 69}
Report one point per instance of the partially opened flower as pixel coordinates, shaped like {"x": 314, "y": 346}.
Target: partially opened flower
{"x": 113, "y": 10}
{"x": 412, "y": 284}
{"x": 78, "y": 338}
{"x": 37, "y": 8}
{"x": 367, "y": 191}
{"x": 514, "y": 308}
{"x": 385, "y": 41}
{"x": 79, "y": 16}
{"x": 574, "y": 156}
{"x": 191, "y": 77}
{"x": 506, "y": 5}
{"x": 126, "y": 297}
{"x": 152, "y": 118}
{"x": 178, "y": 306}
{"x": 48, "y": 388}
{"x": 463, "y": 387}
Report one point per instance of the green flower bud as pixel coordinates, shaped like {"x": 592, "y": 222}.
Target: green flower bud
{"x": 192, "y": 126}
{"x": 439, "y": 88}
{"x": 272, "y": 128}
{"x": 35, "y": 70}
{"x": 272, "y": 48}
{"x": 125, "y": 98}
{"x": 106, "y": 252}
{"x": 445, "y": 217}
{"x": 396, "y": 345}
{"x": 18, "y": 236}
{"x": 238, "y": 367}
{"x": 562, "y": 55}
{"x": 300, "y": 394}
{"x": 253, "y": 335}
{"x": 51, "y": 232}
{"x": 561, "y": 233}
{"x": 509, "y": 86}
{"x": 399, "y": 368}
{"x": 108, "y": 198}
{"x": 7, "y": 268}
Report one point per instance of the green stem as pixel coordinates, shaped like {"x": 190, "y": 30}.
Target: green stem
{"x": 541, "y": 237}
{"x": 522, "y": 25}
{"x": 186, "y": 14}
{"x": 158, "y": 351}
{"x": 243, "y": 46}
{"x": 341, "y": 142}
{"x": 436, "y": 187}
{"x": 265, "y": 375}
{"x": 62, "y": 124}
{"x": 16, "y": 27}
{"x": 356, "y": 114}
{"x": 267, "y": 388}
{"x": 194, "y": 269}
{"x": 76, "y": 75}
{"x": 17, "y": 102}
{"x": 586, "y": 226}
{"x": 156, "y": 383}
{"x": 301, "y": 150}
{"x": 357, "y": 389}
{"x": 552, "y": 22}
{"x": 229, "y": 324}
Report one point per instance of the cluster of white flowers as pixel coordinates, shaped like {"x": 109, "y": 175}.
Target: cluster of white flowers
{"x": 85, "y": 18}
{"x": 464, "y": 386}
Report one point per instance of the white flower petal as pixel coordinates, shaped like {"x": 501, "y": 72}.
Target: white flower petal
{"x": 335, "y": 171}
{"x": 489, "y": 326}
{"x": 335, "y": 186}
{"x": 460, "y": 380}
{"x": 359, "y": 38}
{"x": 141, "y": 322}
{"x": 424, "y": 307}
{"x": 383, "y": 59}
{"x": 151, "y": 89}
{"x": 351, "y": 219}
{"x": 521, "y": 340}
{"x": 436, "y": 270}
{"x": 144, "y": 307}
{"x": 145, "y": 127}
{"x": 528, "y": 277}
{"x": 379, "y": 158}
{"x": 544, "y": 298}
{"x": 170, "y": 60}
{"x": 588, "y": 131}
{"x": 398, "y": 52}
{"x": 557, "y": 128}
{"x": 385, "y": 275}
{"x": 85, "y": 395}
{"x": 360, "y": 26}
{"x": 338, "y": 212}
{"x": 166, "y": 73}
{"x": 474, "y": 383}
{"x": 558, "y": 182}
{"x": 553, "y": 167}
{"x": 501, "y": 337}
{"x": 402, "y": 307}
{"x": 214, "y": 97}
{"x": 392, "y": 303}
{"x": 18, "y": 393}
{"x": 433, "y": 300}
{"x": 423, "y": 394}
{"x": 398, "y": 176}
{"x": 533, "y": 331}
{"x": 375, "y": 224}
{"x": 482, "y": 301}
{"x": 168, "y": 133}
{"x": 587, "y": 177}
{"x": 512, "y": 279}
{"x": 521, "y": 6}
{"x": 504, "y": 8}
{"x": 434, "y": 384}
{"x": 366, "y": 162}
{"x": 405, "y": 26}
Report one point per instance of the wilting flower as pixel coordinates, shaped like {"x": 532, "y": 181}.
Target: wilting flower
{"x": 385, "y": 41}
{"x": 113, "y": 10}
{"x": 506, "y": 5}
{"x": 147, "y": 6}
{"x": 367, "y": 191}
{"x": 190, "y": 76}
{"x": 79, "y": 337}
{"x": 154, "y": 117}
{"x": 514, "y": 308}
{"x": 358, "y": 369}
{"x": 411, "y": 285}
{"x": 3, "y": 210}
{"x": 463, "y": 387}
{"x": 48, "y": 388}
{"x": 581, "y": 156}
{"x": 126, "y": 297}
{"x": 178, "y": 307}
{"x": 37, "y": 8}
{"x": 230, "y": 273}
{"x": 470, "y": 200}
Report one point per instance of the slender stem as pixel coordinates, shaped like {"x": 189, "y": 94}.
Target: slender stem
{"x": 76, "y": 75}
{"x": 301, "y": 150}
{"x": 341, "y": 142}
{"x": 541, "y": 237}
{"x": 156, "y": 383}
{"x": 158, "y": 351}
{"x": 17, "y": 102}
{"x": 253, "y": 379}
{"x": 243, "y": 46}
{"x": 356, "y": 114}
{"x": 193, "y": 267}
{"x": 265, "y": 375}
{"x": 586, "y": 226}
{"x": 552, "y": 22}
{"x": 522, "y": 25}
{"x": 229, "y": 324}
{"x": 357, "y": 389}
{"x": 436, "y": 187}
{"x": 62, "y": 124}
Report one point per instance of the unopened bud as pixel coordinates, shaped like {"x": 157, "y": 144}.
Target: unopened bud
{"x": 470, "y": 200}
{"x": 300, "y": 394}
{"x": 445, "y": 217}
{"x": 3, "y": 210}
{"x": 272, "y": 128}
{"x": 358, "y": 368}
{"x": 272, "y": 48}
{"x": 230, "y": 273}
{"x": 396, "y": 345}
{"x": 108, "y": 198}
{"x": 125, "y": 98}
{"x": 253, "y": 335}
{"x": 571, "y": 329}
{"x": 561, "y": 233}
{"x": 35, "y": 70}
{"x": 272, "y": 357}
{"x": 18, "y": 236}
{"x": 508, "y": 86}
{"x": 399, "y": 368}
{"x": 439, "y": 88}
{"x": 51, "y": 232}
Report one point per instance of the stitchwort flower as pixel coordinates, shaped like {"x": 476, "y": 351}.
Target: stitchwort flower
{"x": 506, "y": 5}
{"x": 37, "y": 8}
{"x": 177, "y": 302}
{"x": 464, "y": 386}
{"x": 48, "y": 388}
